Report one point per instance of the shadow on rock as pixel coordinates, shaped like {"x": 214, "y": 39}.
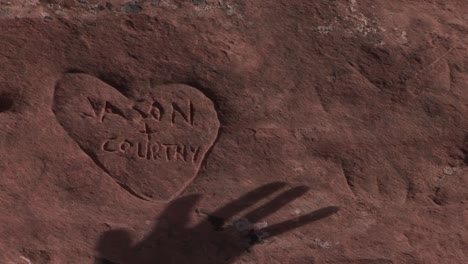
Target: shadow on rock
{"x": 219, "y": 238}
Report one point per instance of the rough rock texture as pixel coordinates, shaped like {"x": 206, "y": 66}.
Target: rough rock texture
{"x": 162, "y": 135}
{"x": 342, "y": 122}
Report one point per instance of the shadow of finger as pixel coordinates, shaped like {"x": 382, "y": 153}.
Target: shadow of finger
{"x": 247, "y": 200}
{"x": 280, "y": 228}
{"x": 275, "y": 204}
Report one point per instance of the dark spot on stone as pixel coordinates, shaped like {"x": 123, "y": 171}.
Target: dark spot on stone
{"x": 132, "y": 7}
{"x": 103, "y": 261}
{"x": 5, "y": 103}
{"x": 199, "y": 2}
{"x": 253, "y": 237}
{"x": 216, "y": 222}
{"x": 155, "y": 2}
{"x": 464, "y": 149}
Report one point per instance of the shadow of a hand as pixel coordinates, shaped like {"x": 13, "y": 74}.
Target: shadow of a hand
{"x": 217, "y": 239}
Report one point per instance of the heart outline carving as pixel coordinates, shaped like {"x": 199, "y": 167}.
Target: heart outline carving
{"x": 152, "y": 144}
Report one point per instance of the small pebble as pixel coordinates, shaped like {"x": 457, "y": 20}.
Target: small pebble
{"x": 448, "y": 170}
{"x": 260, "y": 225}
{"x": 296, "y": 212}
{"x": 242, "y": 225}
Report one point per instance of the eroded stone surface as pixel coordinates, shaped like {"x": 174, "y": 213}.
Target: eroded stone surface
{"x": 152, "y": 145}
{"x": 364, "y": 102}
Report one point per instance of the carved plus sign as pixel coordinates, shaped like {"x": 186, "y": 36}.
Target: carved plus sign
{"x": 147, "y": 130}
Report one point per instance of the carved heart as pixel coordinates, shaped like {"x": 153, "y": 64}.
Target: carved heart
{"x": 153, "y": 145}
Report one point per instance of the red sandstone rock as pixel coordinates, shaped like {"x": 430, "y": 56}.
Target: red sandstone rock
{"x": 162, "y": 135}
{"x": 364, "y": 102}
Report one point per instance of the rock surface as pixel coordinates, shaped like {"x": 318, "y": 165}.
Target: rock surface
{"x": 162, "y": 135}
{"x": 342, "y": 122}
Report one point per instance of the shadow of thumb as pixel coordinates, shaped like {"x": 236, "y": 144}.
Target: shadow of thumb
{"x": 114, "y": 245}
